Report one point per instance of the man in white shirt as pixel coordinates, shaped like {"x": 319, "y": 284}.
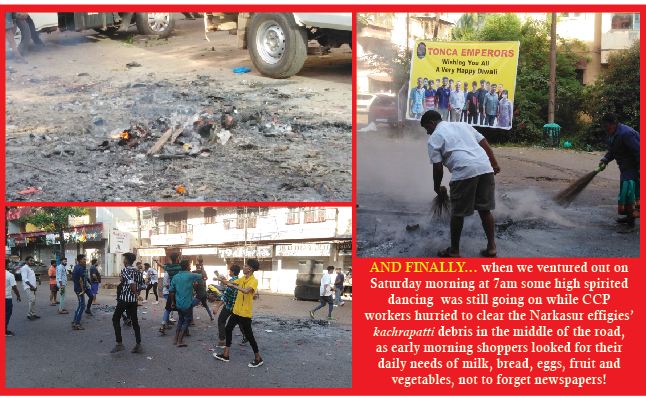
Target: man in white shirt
{"x": 29, "y": 285}
{"x": 61, "y": 281}
{"x": 456, "y": 99}
{"x": 467, "y": 155}
{"x": 10, "y": 285}
{"x": 326, "y": 290}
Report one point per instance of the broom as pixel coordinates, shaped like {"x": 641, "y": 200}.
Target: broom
{"x": 440, "y": 204}
{"x": 567, "y": 196}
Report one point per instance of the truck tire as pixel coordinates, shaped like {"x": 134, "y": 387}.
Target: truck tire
{"x": 155, "y": 23}
{"x": 22, "y": 36}
{"x": 277, "y": 45}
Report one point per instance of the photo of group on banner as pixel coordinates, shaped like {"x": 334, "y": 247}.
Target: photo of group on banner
{"x": 485, "y": 104}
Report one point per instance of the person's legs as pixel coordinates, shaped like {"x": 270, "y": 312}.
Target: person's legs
{"x": 131, "y": 309}
{"x": 154, "y": 292}
{"x": 222, "y": 322}
{"x": 52, "y": 300}
{"x": 79, "y": 309}
{"x": 457, "y": 223}
{"x": 148, "y": 287}
{"x": 245, "y": 326}
{"x": 7, "y": 315}
{"x": 116, "y": 320}
{"x": 182, "y": 325}
{"x": 231, "y": 324}
{"x": 61, "y": 304}
{"x": 485, "y": 202}
{"x": 31, "y": 297}
{"x": 90, "y": 299}
{"x": 206, "y": 305}
{"x": 330, "y": 306}
{"x": 322, "y": 303}
{"x": 488, "y": 224}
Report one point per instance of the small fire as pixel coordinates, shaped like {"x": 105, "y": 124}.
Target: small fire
{"x": 124, "y": 135}
{"x": 180, "y": 189}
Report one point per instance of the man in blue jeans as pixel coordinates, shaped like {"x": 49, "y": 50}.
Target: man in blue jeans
{"x": 78, "y": 278}
{"x": 338, "y": 287}
{"x": 181, "y": 298}
{"x": 325, "y": 291}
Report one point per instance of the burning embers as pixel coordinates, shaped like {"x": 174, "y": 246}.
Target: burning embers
{"x": 131, "y": 137}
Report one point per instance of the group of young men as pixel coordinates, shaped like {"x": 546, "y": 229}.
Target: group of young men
{"x": 86, "y": 283}
{"x": 487, "y": 105}
{"x": 183, "y": 290}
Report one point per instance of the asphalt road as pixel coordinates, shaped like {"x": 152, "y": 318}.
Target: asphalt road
{"x": 298, "y": 352}
{"x": 395, "y": 190}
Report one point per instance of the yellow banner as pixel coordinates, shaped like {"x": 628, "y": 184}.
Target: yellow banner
{"x": 437, "y": 68}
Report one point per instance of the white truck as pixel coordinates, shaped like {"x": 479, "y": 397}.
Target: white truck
{"x": 148, "y": 23}
{"x": 278, "y": 42}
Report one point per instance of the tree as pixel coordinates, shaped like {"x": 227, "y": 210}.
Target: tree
{"x": 55, "y": 219}
{"x": 467, "y": 26}
{"x": 611, "y": 93}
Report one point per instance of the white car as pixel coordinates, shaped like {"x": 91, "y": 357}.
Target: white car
{"x": 363, "y": 102}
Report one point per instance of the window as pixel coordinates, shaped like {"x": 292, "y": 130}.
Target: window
{"x": 252, "y": 217}
{"x": 294, "y": 215}
{"x": 176, "y": 223}
{"x": 625, "y": 21}
{"x": 314, "y": 214}
{"x": 209, "y": 215}
{"x": 229, "y": 223}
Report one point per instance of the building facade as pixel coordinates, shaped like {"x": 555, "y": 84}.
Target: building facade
{"x": 285, "y": 240}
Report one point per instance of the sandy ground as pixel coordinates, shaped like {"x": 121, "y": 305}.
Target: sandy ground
{"x": 291, "y": 140}
{"x": 395, "y": 189}
{"x": 298, "y": 352}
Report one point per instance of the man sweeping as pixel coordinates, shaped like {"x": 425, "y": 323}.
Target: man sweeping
{"x": 469, "y": 158}
{"x": 623, "y": 146}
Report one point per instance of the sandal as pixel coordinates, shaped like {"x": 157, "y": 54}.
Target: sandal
{"x": 487, "y": 253}
{"x": 447, "y": 253}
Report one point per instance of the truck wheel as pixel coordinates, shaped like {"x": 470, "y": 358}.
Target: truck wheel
{"x": 277, "y": 45}
{"x": 155, "y": 23}
{"x": 23, "y": 35}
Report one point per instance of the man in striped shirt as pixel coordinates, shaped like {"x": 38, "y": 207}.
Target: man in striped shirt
{"x": 132, "y": 282}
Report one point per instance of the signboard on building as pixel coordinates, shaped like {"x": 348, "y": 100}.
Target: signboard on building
{"x": 495, "y": 62}
{"x": 245, "y": 252}
{"x": 152, "y": 252}
{"x": 119, "y": 242}
{"x": 168, "y": 239}
{"x": 303, "y": 250}
{"x": 199, "y": 251}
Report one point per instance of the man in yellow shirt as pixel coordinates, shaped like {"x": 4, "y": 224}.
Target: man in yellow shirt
{"x": 247, "y": 287}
